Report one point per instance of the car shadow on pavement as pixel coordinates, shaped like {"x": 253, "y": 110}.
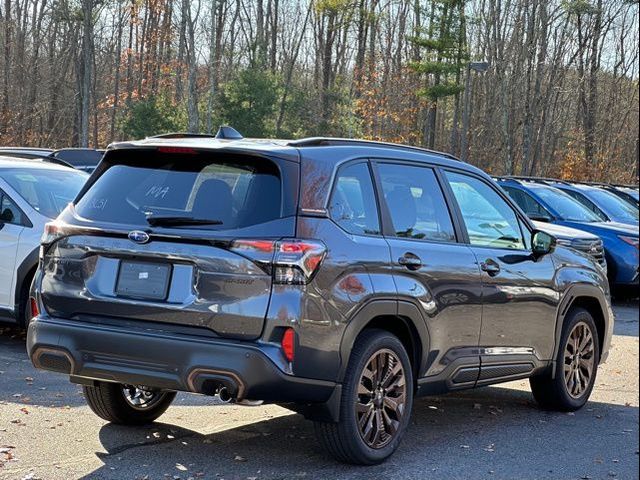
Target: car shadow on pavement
{"x": 492, "y": 433}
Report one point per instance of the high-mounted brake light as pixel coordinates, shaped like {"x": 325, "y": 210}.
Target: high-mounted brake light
{"x": 288, "y": 344}
{"x": 183, "y": 150}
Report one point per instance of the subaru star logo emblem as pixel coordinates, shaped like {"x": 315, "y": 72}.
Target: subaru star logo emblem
{"x": 139, "y": 236}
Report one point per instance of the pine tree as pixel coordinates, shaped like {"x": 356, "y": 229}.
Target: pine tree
{"x": 443, "y": 55}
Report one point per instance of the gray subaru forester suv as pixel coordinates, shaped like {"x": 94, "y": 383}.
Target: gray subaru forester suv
{"x": 338, "y": 278}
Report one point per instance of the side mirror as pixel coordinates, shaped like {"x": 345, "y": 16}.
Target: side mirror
{"x": 539, "y": 217}
{"x": 542, "y": 243}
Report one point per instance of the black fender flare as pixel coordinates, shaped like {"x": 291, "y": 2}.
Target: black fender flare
{"x": 401, "y": 310}
{"x": 573, "y": 292}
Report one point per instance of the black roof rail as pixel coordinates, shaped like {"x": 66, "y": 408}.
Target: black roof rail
{"x": 543, "y": 180}
{"x": 502, "y": 178}
{"x": 331, "y": 141}
{"x": 35, "y": 156}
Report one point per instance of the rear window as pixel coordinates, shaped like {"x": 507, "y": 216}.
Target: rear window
{"x": 230, "y": 190}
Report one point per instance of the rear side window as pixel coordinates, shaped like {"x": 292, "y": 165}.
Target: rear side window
{"x": 230, "y": 190}
{"x": 9, "y": 212}
{"x": 416, "y": 203}
{"x": 353, "y": 202}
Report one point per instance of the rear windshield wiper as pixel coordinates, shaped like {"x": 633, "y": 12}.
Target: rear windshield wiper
{"x": 157, "y": 221}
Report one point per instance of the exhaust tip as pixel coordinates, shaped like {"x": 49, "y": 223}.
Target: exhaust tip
{"x": 224, "y": 395}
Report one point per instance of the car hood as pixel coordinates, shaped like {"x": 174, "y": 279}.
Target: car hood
{"x": 563, "y": 232}
{"x": 611, "y": 227}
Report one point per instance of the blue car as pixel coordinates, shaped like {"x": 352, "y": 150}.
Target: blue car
{"x": 543, "y": 202}
{"x": 607, "y": 205}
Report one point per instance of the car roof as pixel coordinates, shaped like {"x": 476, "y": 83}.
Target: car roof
{"x": 328, "y": 149}
{"x": 36, "y": 164}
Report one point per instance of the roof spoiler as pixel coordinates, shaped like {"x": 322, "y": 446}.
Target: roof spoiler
{"x": 225, "y": 132}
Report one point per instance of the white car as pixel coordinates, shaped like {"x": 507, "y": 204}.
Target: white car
{"x": 32, "y": 192}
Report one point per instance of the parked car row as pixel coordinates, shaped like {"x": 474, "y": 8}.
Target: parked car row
{"x": 588, "y": 208}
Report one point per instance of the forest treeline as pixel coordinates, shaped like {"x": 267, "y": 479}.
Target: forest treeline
{"x": 514, "y": 86}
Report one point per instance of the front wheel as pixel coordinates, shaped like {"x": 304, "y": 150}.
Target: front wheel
{"x": 569, "y": 387}
{"x": 127, "y": 404}
{"x": 376, "y": 402}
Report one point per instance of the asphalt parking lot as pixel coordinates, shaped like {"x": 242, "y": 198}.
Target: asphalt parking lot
{"x": 47, "y": 432}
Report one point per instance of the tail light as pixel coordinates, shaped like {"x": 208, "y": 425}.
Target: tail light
{"x": 296, "y": 261}
{"x": 52, "y": 231}
{"x": 291, "y": 261}
{"x": 288, "y": 344}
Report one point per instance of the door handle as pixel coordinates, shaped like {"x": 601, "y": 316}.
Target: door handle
{"x": 491, "y": 267}
{"x": 410, "y": 261}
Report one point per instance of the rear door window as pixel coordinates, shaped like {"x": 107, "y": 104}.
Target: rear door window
{"x": 232, "y": 191}
{"x": 353, "y": 202}
{"x": 416, "y": 203}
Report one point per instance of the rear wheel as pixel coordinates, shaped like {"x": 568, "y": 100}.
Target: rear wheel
{"x": 576, "y": 366}
{"x": 127, "y": 404}
{"x": 376, "y": 402}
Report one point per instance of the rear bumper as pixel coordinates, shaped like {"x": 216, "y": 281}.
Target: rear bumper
{"x": 170, "y": 361}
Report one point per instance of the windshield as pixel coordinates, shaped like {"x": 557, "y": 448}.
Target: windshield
{"x": 48, "y": 191}
{"x": 177, "y": 191}
{"x": 614, "y": 206}
{"x": 565, "y": 206}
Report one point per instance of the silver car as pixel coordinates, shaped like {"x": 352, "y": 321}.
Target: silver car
{"x": 31, "y": 194}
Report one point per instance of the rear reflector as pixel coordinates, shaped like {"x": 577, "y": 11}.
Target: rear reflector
{"x": 288, "y": 344}
{"x": 35, "y": 311}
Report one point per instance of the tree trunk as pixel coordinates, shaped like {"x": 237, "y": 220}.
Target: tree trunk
{"x": 87, "y": 69}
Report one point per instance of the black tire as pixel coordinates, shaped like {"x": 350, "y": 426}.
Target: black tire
{"x": 560, "y": 392}
{"x": 108, "y": 401}
{"x": 343, "y": 440}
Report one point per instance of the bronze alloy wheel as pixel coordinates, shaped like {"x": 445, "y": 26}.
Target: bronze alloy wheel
{"x": 579, "y": 360}
{"x": 141, "y": 398}
{"x": 381, "y": 398}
